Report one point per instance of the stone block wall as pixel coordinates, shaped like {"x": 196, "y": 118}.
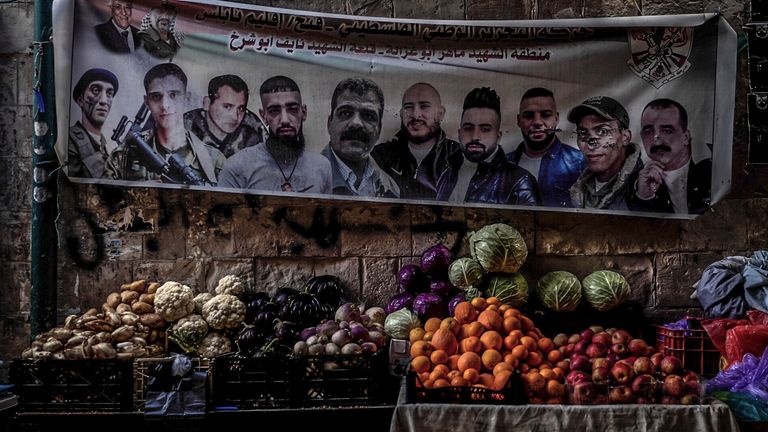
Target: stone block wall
{"x": 108, "y": 236}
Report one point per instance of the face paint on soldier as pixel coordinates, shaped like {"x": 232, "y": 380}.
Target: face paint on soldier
{"x": 95, "y": 104}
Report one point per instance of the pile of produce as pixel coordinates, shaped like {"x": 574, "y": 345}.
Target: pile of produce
{"x": 127, "y": 326}
{"x": 610, "y": 366}
{"x": 354, "y": 330}
{"x": 482, "y": 345}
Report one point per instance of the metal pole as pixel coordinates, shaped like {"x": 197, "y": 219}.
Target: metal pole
{"x": 44, "y": 172}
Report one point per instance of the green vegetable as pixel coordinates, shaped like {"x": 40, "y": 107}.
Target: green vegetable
{"x": 399, "y": 323}
{"x": 498, "y": 248}
{"x": 465, "y": 273}
{"x": 559, "y": 291}
{"x": 511, "y": 289}
{"x": 605, "y": 289}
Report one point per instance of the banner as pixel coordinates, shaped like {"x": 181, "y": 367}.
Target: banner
{"x": 617, "y": 115}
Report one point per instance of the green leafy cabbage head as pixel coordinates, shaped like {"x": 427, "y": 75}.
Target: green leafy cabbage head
{"x": 465, "y": 273}
{"x": 559, "y": 291}
{"x": 498, "y": 248}
{"x": 605, "y": 289}
{"x": 511, "y": 289}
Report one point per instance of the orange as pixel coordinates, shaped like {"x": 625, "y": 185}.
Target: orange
{"x": 500, "y": 380}
{"x": 441, "y": 382}
{"x": 555, "y": 389}
{"x": 420, "y": 364}
{"x": 487, "y": 379}
{"x": 545, "y": 345}
{"x": 465, "y": 312}
{"x": 451, "y": 324}
{"x": 529, "y": 343}
{"x": 520, "y": 352}
{"x": 479, "y": 303}
{"x": 554, "y": 356}
{"x": 510, "y": 323}
{"x": 470, "y": 344}
{"x": 453, "y": 362}
{"x": 493, "y": 301}
{"x": 535, "y": 382}
{"x": 511, "y": 341}
{"x": 459, "y": 381}
{"x": 511, "y": 312}
{"x": 491, "y": 339}
{"x": 469, "y": 360}
{"x": 475, "y": 329}
{"x": 471, "y": 375}
{"x": 421, "y": 348}
{"x": 534, "y": 359}
{"x": 416, "y": 334}
{"x": 432, "y": 324}
{"x": 490, "y": 358}
{"x": 438, "y": 357}
{"x": 526, "y": 323}
{"x": 502, "y": 366}
{"x": 490, "y": 319}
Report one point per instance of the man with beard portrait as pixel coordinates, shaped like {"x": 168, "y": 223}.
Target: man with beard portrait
{"x": 282, "y": 162}
{"x": 419, "y": 152}
{"x": 354, "y": 125}
{"x": 555, "y": 165}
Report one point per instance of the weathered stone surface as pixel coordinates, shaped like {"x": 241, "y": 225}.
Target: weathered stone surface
{"x": 288, "y": 4}
{"x": 636, "y": 269}
{"x": 122, "y": 246}
{"x": 166, "y": 242}
{"x": 256, "y": 235}
{"x": 346, "y": 269}
{"x": 375, "y": 231}
{"x": 379, "y": 280}
{"x": 438, "y": 9}
{"x": 661, "y": 7}
{"x": 83, "y": 288}
{"x": 81, "y": 240}
{"x": 15, "y": 127}
{"x": 189, "y": 272}
{"x": 15, "y": 285}
{"x": 435, "y": 224}
{"x": 15, "y": 241}
{"x": 218, "y": 269}
{"x": 272, "y": 273}
{"x": 308, "y": 230}
{"x": 25, "y": 80}
{"x": 675, "y": 276}
{"x": 16, "y": 26}
{"x": 16, "y": 337}
{"x": 9, "y": 85}
{"x": 496, "y": 9}
{"x": 21, "y": 184}
{"x": 577, "y": 234}
{"x": 757, "y": 230}
{"x": 210, "y": 231}
{"x": 723, "y": 228}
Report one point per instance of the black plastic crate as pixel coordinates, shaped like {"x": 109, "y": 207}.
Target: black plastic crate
{"x": 73, "y": 385}
{"x": 512, "y": 394}
{"x": 250, "y": 383}
{"x": 344, "y": 380}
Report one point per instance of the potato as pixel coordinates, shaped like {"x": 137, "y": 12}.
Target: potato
{"x": 147, "y": 298}
{"x": 141, "y": 308}
{"x": 123, "y": 308}
{"x": 113, "y": 300}
{"x": 138, "y": 286}
{"x": 129, "y": 297}
{"x": 151, "y": 320}
{"x": 152, "y": 288}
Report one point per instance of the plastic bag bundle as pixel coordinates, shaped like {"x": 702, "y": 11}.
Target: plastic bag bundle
{"x": 747, "y": 382}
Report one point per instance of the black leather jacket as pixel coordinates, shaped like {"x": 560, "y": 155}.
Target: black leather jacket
{"x": 699, "y": 189}
{"x": 498, "y": 182}
{"x": 416, "y": 182}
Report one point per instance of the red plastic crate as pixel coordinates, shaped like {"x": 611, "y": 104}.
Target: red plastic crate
{"x": 693, "y": 347}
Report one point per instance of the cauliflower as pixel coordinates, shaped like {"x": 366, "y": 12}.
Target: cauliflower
{"x": 230, "y": 284}
{"x": 214, "y": 344}
{"x": 188, "y": 332}
{"x": 200, "y": 300}
{"x": 224, "y": 311}
{"x": 174, "y": 300}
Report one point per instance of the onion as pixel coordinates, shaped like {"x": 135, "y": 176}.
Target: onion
{"x": 331, "y": 348}
{"x": 344, "y": 324}
{"x": 351, "y": 348}
{"x": 327, "y": 328}
{"x": 365, "y": 320}
{"x": 316, "y": 349}
{"x": 341, "y": 337}
{"x": 358, "y": 332}
{"x": 307, "y": 332}
{"x": 369, "y": 347}
{"x": 380, "y": 339}
{"x": 301, "y": 348}
{"x": 347, "y": 312}
{"x": 313, "y": 340}
{"x": 376, "y": 314}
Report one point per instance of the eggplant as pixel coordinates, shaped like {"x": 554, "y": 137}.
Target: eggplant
{"x": 304, "y": 310}
{"x": 283, "y": 295}
{"x": 265, "y": 321}
{"x": 286, "y": 332}
{"x": 255, "y": 305}
{"x": 327, "y": 288}
{"x": 249, "y": 339}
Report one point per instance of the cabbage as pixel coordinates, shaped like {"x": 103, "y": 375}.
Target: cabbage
{"x": 403, "y": 300}
{"x": 458, "y": 298}
{"x": 441, "y": 288}
{"x": 498, "y": 248}
{"x": 511, "y": 289}
{"x": 465, "y": 273}
{"x": 428, "y": 305}
{"x": 412, "y": 279}
{"x": 605, "y": 289}
{"x": 559, "y": 291}
{"x": 435, "y": 261}
{"x": 398, "y": 324}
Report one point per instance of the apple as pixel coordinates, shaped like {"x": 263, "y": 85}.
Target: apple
{"x": 581, "y": 346}
{"x": 610, "y": 330}
{"x": 613, "y": 358}
{"x": 671, "y": 365}
{"x": 586, "y": 335}
{"x": 581, "y": 393}
{"x": 560, "y": 340}
{"x": 691, "y": 376}
{"x": 621, "y": 337}
{"x": 580, "y": 362}
{"x": 601, "y": 362}
{"x": 630, "y": 360}
{"x": 622, "y": 373}
{"x": 637, "y": 347}
{"x": 620, "y": 350}
{"x": 621, "y": 395}
{"x": 656, "y": 359}
{"x": 603, "y": 338}
{"x": 643, "y": 385}
{"x": 601, "y": 375}
{"x": 576, "y": 376}
{"x": 642, "y": 400}
{"x": 644, "y": 366}
{"x": 567, "y": 350}
{"x": 565, "y": 365}
{"x": 595, "y": 350}
{"x": 574, "y": 339}
{"x": 674, "y": 386}
{"x": 690, "y": 399}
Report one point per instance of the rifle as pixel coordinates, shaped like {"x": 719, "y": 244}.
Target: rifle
{"x": 174, "y": 170}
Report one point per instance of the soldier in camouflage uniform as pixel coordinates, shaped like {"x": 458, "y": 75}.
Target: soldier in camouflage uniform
{"x": 224, "y": 121}
{"x": 87, "y": 151}
{"x": 166, "y": 98}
